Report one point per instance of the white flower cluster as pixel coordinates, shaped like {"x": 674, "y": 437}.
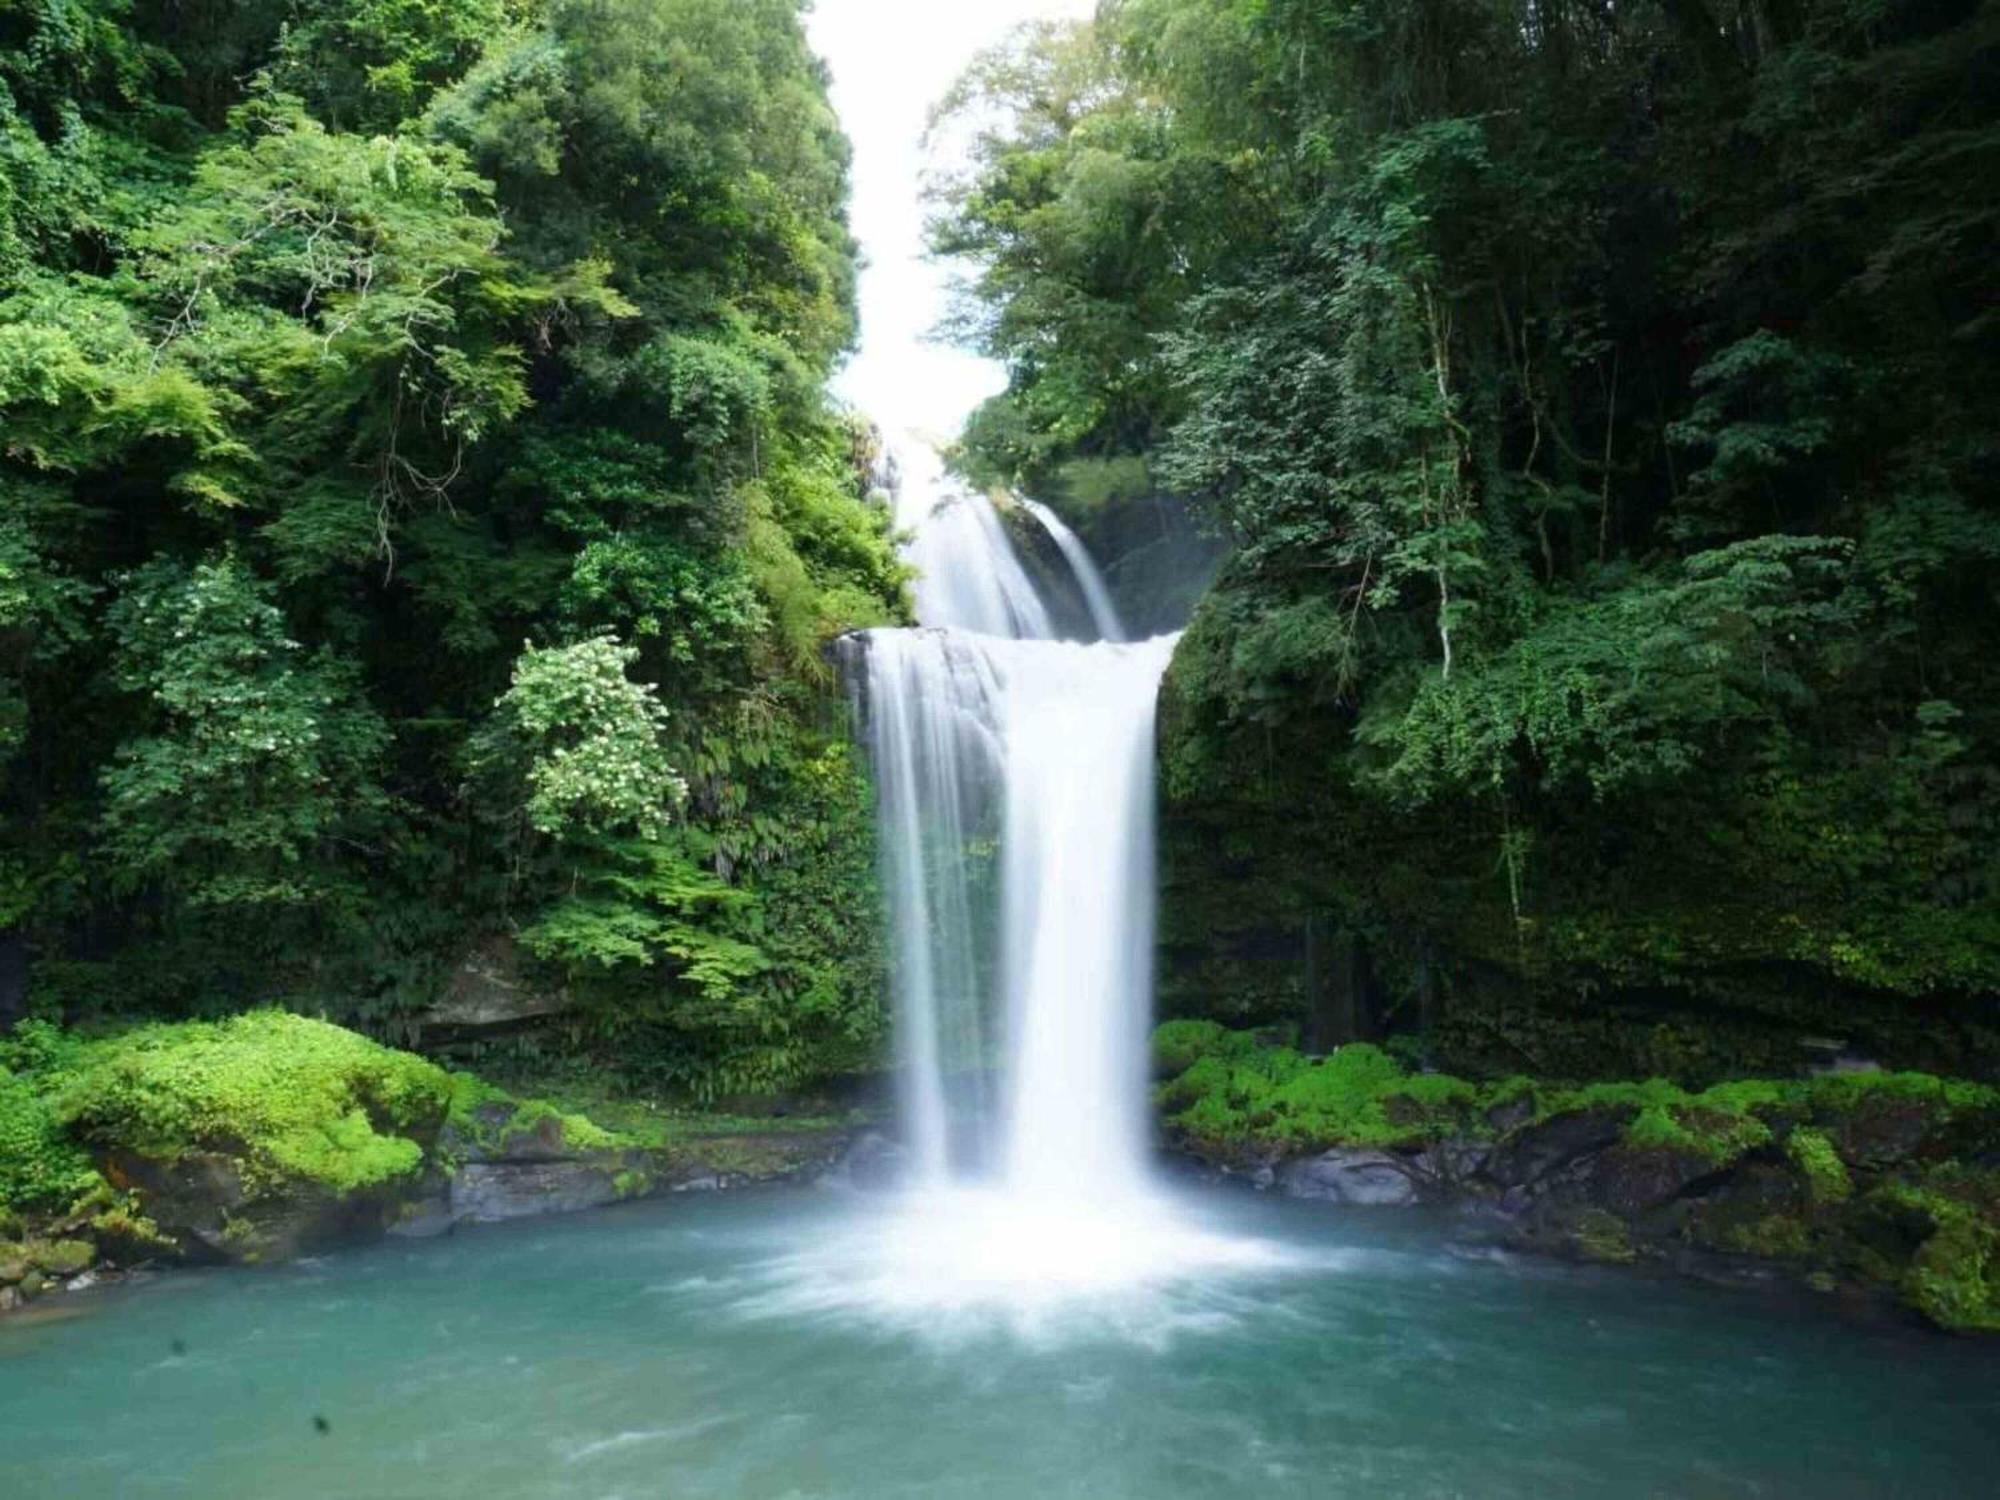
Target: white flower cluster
{"x": 593, "y": 736}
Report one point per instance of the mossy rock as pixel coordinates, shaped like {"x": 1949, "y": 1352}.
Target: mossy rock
{"x": 250, "y": 1138}
{"x": 1602, "y": 1236}
{"x": 62, "y": 1257}
{"x": 488, "y": 1124}
{"x": 295, "y": 1101}
{"x": 1953, "y": 1278}
{"x": 634, "y": 1182}
{"x": 1819, "y": 1165}
{"x": 1882, "y": 1181}
{"x": 14, "y": 1263}
{"x": 1760, "y": 1208}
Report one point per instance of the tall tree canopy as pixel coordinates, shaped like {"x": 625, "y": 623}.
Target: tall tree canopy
{"x": 421, "y": 517}
{"x": 1599, "y": 400}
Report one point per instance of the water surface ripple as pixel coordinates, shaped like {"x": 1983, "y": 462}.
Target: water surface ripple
{"x": 761, "y": 1347}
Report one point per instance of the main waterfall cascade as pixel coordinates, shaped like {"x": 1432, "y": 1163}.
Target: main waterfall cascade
{"x": 981, "y": 725}
{"x": 1015, "y": 785}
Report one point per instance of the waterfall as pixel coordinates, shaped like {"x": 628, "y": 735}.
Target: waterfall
{"x": 1032, "y": 972}
{"x": 1089, "y": 581}
{"x": 968, "y": 574}
{"x": 935, "y": 746}
{"x": 1014, "y": 777}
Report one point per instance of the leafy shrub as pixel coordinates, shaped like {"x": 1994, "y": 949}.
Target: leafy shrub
{"x": 39, "y": 1165}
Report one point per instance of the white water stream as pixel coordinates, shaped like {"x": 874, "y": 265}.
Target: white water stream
{"x": 983, "y": 727}
{"x": 1014, "y": 778}
{"x": 1015, "y": 785}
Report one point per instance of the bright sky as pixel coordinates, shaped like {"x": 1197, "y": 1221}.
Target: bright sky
{"x": 891, "y": 59}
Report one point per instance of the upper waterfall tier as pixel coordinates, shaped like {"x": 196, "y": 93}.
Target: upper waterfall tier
{"x": 968, "y": 573}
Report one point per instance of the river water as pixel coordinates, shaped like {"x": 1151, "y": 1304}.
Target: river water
{"x": 710, "y": 1349}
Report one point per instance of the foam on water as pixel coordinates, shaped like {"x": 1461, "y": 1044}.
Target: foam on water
{"x": 966, "y": 1262}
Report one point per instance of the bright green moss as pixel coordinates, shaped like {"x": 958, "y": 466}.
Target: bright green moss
{"x": 1361, "y": 1096}
{"x": 1826, "y": 1176}
{"x": 468, "y": 1092}
{"x": 1955, "y": 1278}
{"x": 1721, "y": 1123}
{"x": 1358, "y": 1095}
{"x": 493, "y": 1119}
{"x": 1179, "y": 1045}
{"x": 1230, "y": 1088}
{"x": 1851, "y": 1090}
{"x": 64, "y": 1257}
{"x": 631, "y": 1183}
{"x": 297, "y": 1099}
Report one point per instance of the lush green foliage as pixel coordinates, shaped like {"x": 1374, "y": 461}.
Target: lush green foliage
{"x": 39, "y": 1163}
{"x": 1599, "y": 402}
{"x": 421, "y": 518}
{"x": 300, "y": 1100}
{"x": 297, "y": 1102}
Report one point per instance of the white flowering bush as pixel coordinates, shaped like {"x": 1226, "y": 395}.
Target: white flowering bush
{"x": 585, "y": 740}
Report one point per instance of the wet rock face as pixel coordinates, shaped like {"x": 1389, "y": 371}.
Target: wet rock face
{"x": 1531, "y": 1155}
{"x": 1366, "y": 1179}
{"x": 202, "y": 1203}
{"x": 1631, "y": 1180}
{"x": 488, "y": 992}
{"x": 489, "y": 1192}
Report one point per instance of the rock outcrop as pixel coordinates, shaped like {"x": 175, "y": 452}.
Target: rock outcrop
{"x": 1870, "y": 1182}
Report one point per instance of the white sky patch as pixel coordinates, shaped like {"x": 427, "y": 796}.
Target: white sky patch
{"x": 891, "y": 60}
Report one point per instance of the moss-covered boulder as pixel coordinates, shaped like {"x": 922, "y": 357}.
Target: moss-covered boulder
{"x": 66, "y": 1257}
{"x": 256, "y": 1137}
{"x": 510, "y": 1158}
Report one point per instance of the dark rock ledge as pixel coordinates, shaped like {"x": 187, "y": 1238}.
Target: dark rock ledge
{"x": 511, "y": 1161}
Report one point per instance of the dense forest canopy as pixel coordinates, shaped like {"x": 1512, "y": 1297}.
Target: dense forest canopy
{"x": 421, "y": 518}
{"x": 1600, "y": 402}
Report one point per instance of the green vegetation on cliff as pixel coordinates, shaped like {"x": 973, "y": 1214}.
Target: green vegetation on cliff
{"x": 1881, "y": 1179}
{"x": 421, "y": 518}
{"x": 290, "y": 1101}
{"x": 1599, "y": 402}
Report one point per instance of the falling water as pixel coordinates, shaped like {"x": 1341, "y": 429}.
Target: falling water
{"x": 968, "y": 574}
{"x": 984, "y": 727}
{"x": 1015, "y": 786}
{"x": 1096, "y": 594}
{"x": 1077, "y": 723}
